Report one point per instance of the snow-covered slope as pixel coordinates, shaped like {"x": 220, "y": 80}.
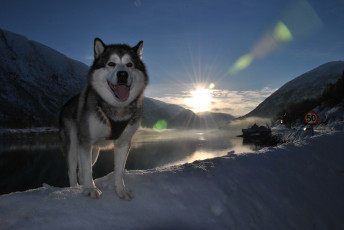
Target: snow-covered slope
{"x": 308, "y": 85}
{"x": 295, "y": 186}
{"x": 35, "y": 81}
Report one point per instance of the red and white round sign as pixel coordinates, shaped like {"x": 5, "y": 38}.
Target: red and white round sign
{"x": 311, "y": 118}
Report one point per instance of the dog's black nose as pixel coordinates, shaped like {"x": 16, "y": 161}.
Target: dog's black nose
{"x": 122, "y": 77}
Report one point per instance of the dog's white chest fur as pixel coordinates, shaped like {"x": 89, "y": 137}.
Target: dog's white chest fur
{"x": 98, "y": 130}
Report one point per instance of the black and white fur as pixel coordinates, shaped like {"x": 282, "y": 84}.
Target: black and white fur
{"x": 99, "y": 118}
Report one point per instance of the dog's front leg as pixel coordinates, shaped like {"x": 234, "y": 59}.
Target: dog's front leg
{"x": 89, "y": 188}
{"x": 121, "y": 154}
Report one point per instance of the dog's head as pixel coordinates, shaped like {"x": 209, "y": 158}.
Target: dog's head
{"x": 118, "y": 74}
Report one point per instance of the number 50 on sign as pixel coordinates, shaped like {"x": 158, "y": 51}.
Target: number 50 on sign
{"x": 311, "y": 118}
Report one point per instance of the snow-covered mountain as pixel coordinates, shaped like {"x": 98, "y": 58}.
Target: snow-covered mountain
{"x": 35, "y": 82}
{"x": 308, "y": 85}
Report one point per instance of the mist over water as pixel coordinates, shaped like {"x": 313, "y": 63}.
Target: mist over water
{"x": 29, "y": 160}
{"x": 151, "y": 149}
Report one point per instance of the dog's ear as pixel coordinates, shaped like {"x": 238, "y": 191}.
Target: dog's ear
{"x": 138, "y": 49}
{"x": 99, "y": 47}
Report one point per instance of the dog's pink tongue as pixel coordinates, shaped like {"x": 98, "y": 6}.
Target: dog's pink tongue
{"x": 122, "y": 92}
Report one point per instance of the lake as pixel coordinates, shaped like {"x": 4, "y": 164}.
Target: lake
{"x": 29, "y": 159}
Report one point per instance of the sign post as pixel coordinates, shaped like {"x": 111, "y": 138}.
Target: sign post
{"x": 311, "y": 118}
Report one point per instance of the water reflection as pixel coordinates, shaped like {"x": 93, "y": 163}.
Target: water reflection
{"x": 28, "y": 160}
{"x": 171, "y": 147}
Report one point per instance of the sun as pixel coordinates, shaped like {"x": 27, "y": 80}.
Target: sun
{"x": 200, "y": 100}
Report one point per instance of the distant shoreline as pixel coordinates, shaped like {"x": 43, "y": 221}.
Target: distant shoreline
{"x": 9, "y": 131}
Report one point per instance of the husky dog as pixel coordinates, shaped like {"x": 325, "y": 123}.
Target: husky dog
{"x": 106, "y": 114}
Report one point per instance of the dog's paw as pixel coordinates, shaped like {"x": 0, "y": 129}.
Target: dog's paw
{"x": 94, "y": 193}
{"x": 123, "y": 193}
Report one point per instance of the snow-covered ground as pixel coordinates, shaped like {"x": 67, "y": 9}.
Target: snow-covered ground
{"x": 298, "y": 185}
{"x": 330, "y": 119}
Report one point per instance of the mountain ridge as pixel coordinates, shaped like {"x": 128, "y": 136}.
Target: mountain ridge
{"x": 308, "y": 85}
{"x": 35, "y": 80}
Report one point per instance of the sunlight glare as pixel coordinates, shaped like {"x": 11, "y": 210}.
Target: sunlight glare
{"x": 199, "y": 100}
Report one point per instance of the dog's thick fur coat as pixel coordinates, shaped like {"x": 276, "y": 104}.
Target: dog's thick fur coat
{"x": 106, "y": 114}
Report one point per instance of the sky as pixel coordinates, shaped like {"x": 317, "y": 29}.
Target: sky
{"x": 207, "y": 55}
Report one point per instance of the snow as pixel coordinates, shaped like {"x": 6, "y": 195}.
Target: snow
{"x": 298, "y": 185}
{"x": 330, "y": 119}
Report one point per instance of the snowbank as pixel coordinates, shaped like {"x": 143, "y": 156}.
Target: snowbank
{"x": 295, "y": 186}
{"x": 330, "y": 120}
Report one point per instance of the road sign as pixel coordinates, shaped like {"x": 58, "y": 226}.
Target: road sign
{"x": 311, "y": 118}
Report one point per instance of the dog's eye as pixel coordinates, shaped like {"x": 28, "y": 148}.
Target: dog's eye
{"x": 112, "y": 64}
{"x": 130, "y": 64}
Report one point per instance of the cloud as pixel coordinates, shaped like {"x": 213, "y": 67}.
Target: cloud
{"x": 236, "y": 103}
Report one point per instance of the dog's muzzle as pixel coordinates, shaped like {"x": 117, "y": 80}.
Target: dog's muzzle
{"x": 121, "y": 89}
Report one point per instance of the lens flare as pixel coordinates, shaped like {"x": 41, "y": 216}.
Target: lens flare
{"x": 282, "y": 32}
{"x": 302, "y": 19}
{"x": 266, "y": 44}
{"x": 298, "y": 21}
{"x": 242, "y": 63}
{"x": 160, "y": 125}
